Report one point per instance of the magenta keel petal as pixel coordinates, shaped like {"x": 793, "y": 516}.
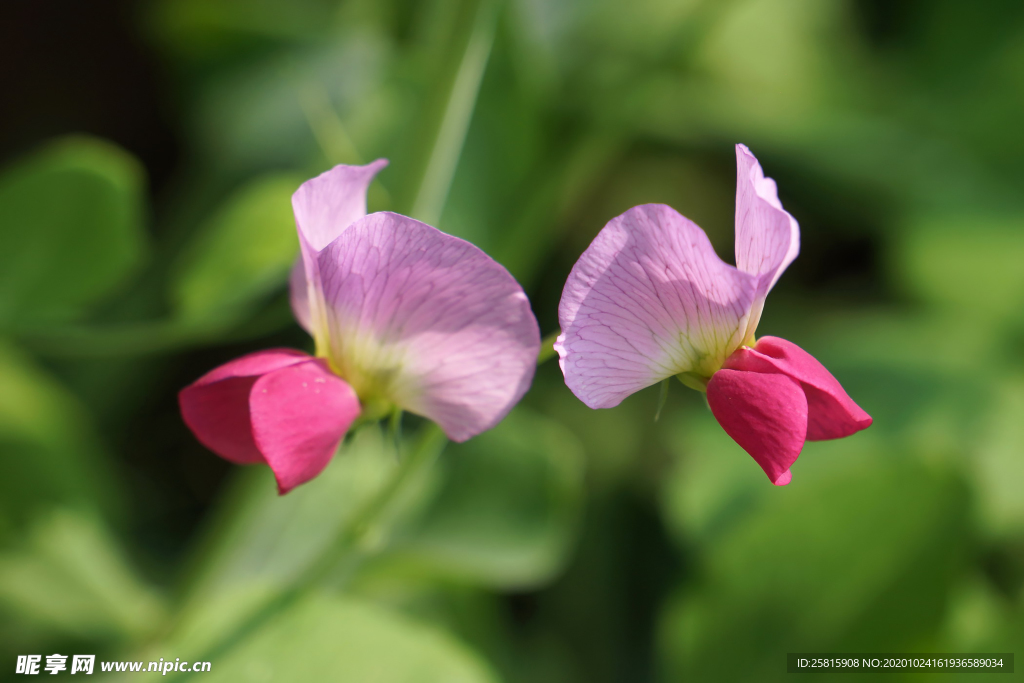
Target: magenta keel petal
{"x": 216, "y": 406}
{"x": 766, "y": 414}
{"x": 300, "y": 414}
{"x": 831, "y": 413}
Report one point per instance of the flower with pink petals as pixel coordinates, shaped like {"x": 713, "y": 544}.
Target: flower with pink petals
{"x": 650, "y": 299}
{"x": 403, "y": 317}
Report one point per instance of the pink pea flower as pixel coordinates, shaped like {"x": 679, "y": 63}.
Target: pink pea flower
{"x": 403, "y": 316}
{"x": 650, "y": 299}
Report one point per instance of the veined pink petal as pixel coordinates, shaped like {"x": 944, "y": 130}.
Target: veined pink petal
{"x": 648, "y": 299}
{"x": 216, "y": 406}
{"x": 766, "y": 414}
{"x": 428, "y": 322}
{"x": 831, "y": 413}
{"x": 767, "y": 237}
{"x": 298, "y": 288}
{"x": 300, "y": 414}
{"x": 324, "y": 206}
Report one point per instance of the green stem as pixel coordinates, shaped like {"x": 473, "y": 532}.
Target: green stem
{"x": 547, "y": 348}
{"x": 451, "y": 135}
{"x": 345, "y": 545}
{"x": 662, "y": 397}
{"x": 327, "y": 127}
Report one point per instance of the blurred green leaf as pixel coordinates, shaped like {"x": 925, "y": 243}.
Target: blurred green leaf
{"x": 980, "y": 619}
{"x": 923, "y": 376}
{"x": 264, "y": 541}
{"x": 966, "y": 263}
{"x": 258, "y": 116}
{"x": 713, "y": 482}
{"x": 507, "y": 508}
{"x": 326, "y": 638}
{"x": 208, "y": 29}
{"x": 998, "y": 463}
{"x": 73, "y": 578}
{"x": 777, "y": 56}
{"x": 244, "y": 252}
{"x": 70, "y": 229}
{"x": 858, "y": 552}
{"x": 49, "y": 452}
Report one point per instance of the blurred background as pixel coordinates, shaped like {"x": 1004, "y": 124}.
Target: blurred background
{"x": 149, "y": 152}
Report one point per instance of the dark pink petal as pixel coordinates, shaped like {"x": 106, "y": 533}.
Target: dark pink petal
{"x": 766, "y": 414}
{"x": 648, "y": 299}
{"x": 767, "y": 237}
{"x": 427, "y": 322}
{"x": 300, "y": 414}
{"x": 324, "y": 206}
{"x": 832, "y": 414}
{"x": 216, "y": 406}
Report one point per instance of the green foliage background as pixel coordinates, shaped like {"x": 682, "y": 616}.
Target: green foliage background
{"x": 566, "y": 545}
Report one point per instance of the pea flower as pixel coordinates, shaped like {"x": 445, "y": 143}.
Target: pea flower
{"x": 403, "y": 316}
{"x": 650, "y": 299}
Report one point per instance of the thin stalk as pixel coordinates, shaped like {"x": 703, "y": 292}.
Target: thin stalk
{"x": 451, "y": 135}
{"x": 547, "y": 347}
{"x": 662, "y": 397}
{"x": 327, "y": 127}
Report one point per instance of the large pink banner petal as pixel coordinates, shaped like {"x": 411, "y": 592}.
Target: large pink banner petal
{"x": 324, "y": 207}
{"x": 428, "y": 322}
{"x": 767, "y": 237}
{"x": 648, "y": 299}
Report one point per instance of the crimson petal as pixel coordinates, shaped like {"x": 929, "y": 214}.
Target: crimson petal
{"x": 766, "y": 414}
{"x": 299, "y": 415}
{"x": 831, "y": 413}
{"x": 216, "y": 406}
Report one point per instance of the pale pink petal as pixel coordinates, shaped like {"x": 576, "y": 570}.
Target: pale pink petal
{"x": 298, "y": 289}
{"x": 324, "y": 206}
{"x": 831, "y": 413}
{"x": 766, "y": 414}
{"x": 216, "y": 406}
{"x": 648, "y": 299}
{"x": 767, "y": 237}
{"x": 300, "y": 414}
{"x": 428, "y": 322}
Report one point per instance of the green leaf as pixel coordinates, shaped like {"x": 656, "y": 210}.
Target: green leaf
{"x": 264, "y": 541}
{"x": 507, "y": 508}
{"x": 243, "y": 253}
{"x": 969, "y": 263}
{"x": 859, "y": 551}
{"x": 70, "y": 230}
{"x": 207, "y": 30}
{"x": 49, "y": 452}
{"x": 997, "y": 466}
{"x": 327, "y": 638}
{"x": 74, "y": 579}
